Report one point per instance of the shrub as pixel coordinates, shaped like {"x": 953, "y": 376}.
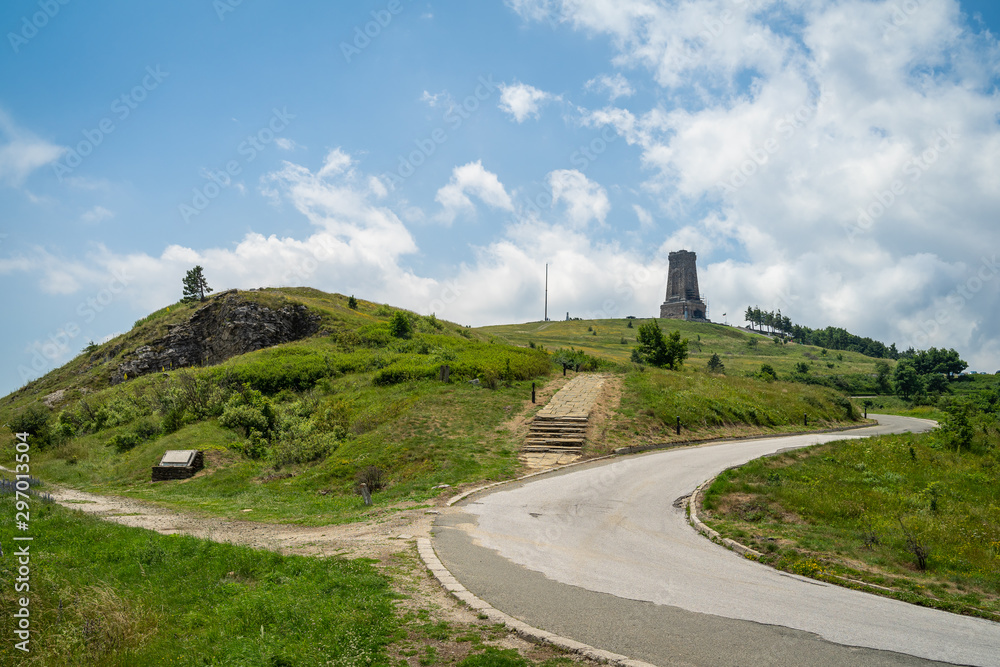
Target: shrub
{"x": 35, "y": 420}
{"x": 715, "y": 364}
{"x": 767, "y": 373}
{"x": 400, "y": 325}
{"x": 372, "y": 477}
{"x": 658, "y": 350}
{"x": 352, "y": 303}
{"x": 251, "y": 413}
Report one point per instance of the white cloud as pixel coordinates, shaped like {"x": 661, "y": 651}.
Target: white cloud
{"x": 97, "y": 214}
{"x": 434, "y": 100}
{"x": 585, "y": 200}
{"x": 21, "y": 152}
{"x": 849, "y": 158}
{"x": 616, "y": 86}
{"x": 474, "y": 179}
{"x": 523, "y": 101}
{"x": 286, "y": 144}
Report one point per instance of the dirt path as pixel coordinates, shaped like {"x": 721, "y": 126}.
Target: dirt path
{"x": 378, "y": 540}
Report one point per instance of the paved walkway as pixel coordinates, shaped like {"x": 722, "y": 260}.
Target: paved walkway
{"x": 576, "y": 399}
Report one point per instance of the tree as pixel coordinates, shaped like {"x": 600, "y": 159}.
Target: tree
{"x": 906, "y": 379}
{"x": 400, "y": 326}
{"x": 882, "y": 377}
{"x": 352, "y": 303}
{"x": 957, "y": 426}
{"x": 715, "y": 365}
{"x": 658, "y": 350}
{"x": 767, "y": 373}
{"x": 195, "y": 285}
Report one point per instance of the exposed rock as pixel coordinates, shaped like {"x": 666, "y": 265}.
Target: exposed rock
{"x": 226, "y": 326}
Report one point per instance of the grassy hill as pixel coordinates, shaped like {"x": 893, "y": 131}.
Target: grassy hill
{"x": 288, "y": 429}
{"x": 740, "y": 351}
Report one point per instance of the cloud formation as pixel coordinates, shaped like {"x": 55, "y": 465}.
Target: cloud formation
{"x": 522, "y": 101}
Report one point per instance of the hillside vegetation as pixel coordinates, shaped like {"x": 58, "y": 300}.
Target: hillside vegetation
{"x": 290, "y": 430}
{"x": 282, "y": 424}
{"x": 741, "y": 352}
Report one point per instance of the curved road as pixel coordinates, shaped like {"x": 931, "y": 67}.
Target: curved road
{"x": 602, "y": 554}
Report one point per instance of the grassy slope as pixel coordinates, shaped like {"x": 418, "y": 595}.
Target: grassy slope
{"x": 836, "y": 510}
{"x": 104, "y": 594}
{"x": 730, "y": 343}
{"x": 421, "y": 432}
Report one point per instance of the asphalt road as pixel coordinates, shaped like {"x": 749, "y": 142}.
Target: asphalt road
{"x": 602, "y": 555}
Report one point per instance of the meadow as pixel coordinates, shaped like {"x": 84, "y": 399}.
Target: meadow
{"x": 907, "y": 516}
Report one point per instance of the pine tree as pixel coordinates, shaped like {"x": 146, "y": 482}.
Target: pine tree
{"x": 195, "y": 285}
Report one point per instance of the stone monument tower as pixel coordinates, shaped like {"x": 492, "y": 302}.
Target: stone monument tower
{"x": 683, "y": 300}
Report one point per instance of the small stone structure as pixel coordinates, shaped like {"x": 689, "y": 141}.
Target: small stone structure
{"x": 683, "y": 300}
{"x": 178, "y": 464}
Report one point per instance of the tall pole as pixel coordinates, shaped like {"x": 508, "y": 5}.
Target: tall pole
{"x": 546, "y": 293}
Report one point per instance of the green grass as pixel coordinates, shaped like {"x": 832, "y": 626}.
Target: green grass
{"x": 421, "y": 433}
{"x": 734, "y": 346}
{"x": 847, "y": 509}
{"x": 713, "y": 406}
{"x": 104, "y": 594}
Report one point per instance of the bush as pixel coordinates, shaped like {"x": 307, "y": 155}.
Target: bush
{"x": 767, "y": 373}
{"x": 372, "y": 477}
{"x": 251, "y": 413}
{"x": 400, "y": 325}
{"x": 34, "y": 420}
{"x": 658, "y": 350}
{"x": 352, "y": 303}
{"x": 715, "y": 364}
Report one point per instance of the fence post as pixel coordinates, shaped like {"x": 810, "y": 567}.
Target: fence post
{"x": 678, "y": 425}
{"x": 805, "y": 419}
{"x": 532, "y": 392}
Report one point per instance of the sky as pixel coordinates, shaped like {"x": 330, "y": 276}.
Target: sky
{"x": 838, "y": 160}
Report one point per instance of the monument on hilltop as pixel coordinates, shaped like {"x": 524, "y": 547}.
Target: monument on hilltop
{"x": 683, "y": 300}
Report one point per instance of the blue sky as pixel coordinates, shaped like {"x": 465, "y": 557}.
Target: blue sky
{"x": 834, "y": 159}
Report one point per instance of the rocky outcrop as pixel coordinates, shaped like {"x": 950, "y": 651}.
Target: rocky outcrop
{"x": 228, "y": 325}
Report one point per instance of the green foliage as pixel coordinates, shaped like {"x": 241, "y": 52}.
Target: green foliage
{"x": 658, "y": 350}
{"x": 715, "y": 365}
{"x": 195, "y": 285}
{"x": 114, "y": 595}
{"x": 882, "y": 374}
{"x": 143, "y": 429}
{"x": 957, "y": 425}
{"x": 906, "y": 379}
{"x": 352, "y": 303}
{"x": 767, "y": 373}
{"x": 400, "y": 325}
{"x": 35, "y": 420}
{"x": 495, "y": 657}
{"x": 917, "y": 516}
{"x": 252, "y": 414}
{"x": 802, "y": 367}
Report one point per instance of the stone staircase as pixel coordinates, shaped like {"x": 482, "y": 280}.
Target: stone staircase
{"x": 560, "y": 426}
{"x": 556, "y": 434}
